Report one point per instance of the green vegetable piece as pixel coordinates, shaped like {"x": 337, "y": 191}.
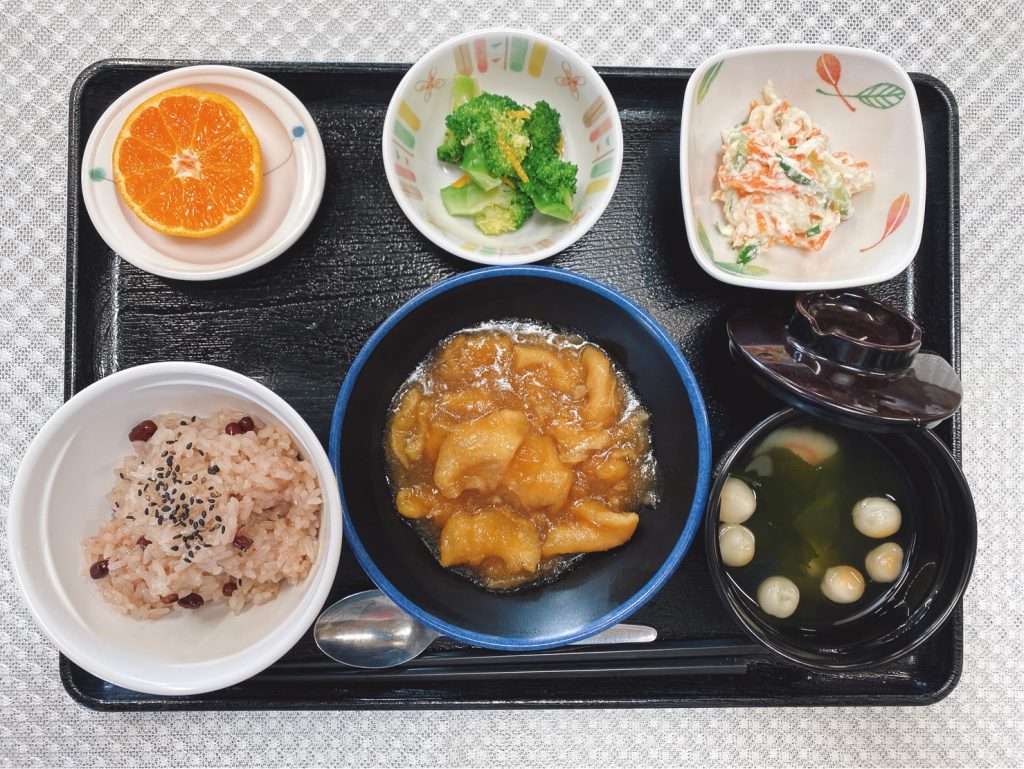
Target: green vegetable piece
{"x": 819, "y": 521}
{"x": 815, "y": 230}
{"x": 552, "y": 183}
{"x": 450, "y": 150}
{"x": 543, "y": 127}
{"x": 475, "y": 164}
{"x": 738, "y": 146}
{"x": 499, "y": 219}
{"x": 489, "y": 121}
{"x": 469, "y": 199}
{"x": 748, "y": 253}
{"x": 464, "y": 88}
{"x": 793, "y": 172}
{"x": 840, "y": 199}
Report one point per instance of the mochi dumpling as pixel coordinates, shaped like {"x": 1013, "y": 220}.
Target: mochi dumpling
{"x": 477, "y": 454}
{"x": 590, "y": 528}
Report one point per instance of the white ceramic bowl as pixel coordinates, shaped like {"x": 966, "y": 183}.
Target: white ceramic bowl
{"x": 58, "y": 500}
{"x": 294, "y": 173}
{"x": 877, "y": 119}
{"x": 528, "y": 68}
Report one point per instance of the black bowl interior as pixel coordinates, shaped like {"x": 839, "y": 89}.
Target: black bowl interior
{"x": 602, "y": 582}
{"x": 936, "y": 573}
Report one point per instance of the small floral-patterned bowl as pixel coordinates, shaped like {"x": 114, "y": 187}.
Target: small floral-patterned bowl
{"x": 528, "y": 68}
{"x": 866, "y": 104}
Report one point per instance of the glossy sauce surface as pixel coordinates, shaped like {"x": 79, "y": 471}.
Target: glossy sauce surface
{"x": 513, "y": 448}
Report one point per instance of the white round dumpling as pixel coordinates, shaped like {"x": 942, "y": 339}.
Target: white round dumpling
{"x": 737, "y": 501}
{"x": 877, "y": 517}
{"x": 885, "y": 562}
{"x": 842, "y": 584}
{"x": 778, "y": 597}
{"x": 736, "y": 544}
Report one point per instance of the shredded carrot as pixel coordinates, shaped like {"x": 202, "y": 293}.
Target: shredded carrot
{"x": 753, "y": 148}
{"x": 462, "y": 181}
{"x": 513, "y": 160}
{"x": 509, "y": 182}
{"x": 519, "y": 113}
{"x": 561, "y": 144}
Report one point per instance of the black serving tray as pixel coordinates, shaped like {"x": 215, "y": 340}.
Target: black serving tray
{"x": 296, "y": 325}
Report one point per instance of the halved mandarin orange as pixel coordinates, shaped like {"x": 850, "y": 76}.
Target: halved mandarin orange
{"x": 187, "y": 163}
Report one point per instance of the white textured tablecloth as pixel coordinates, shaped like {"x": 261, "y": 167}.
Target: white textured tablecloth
{"x": 976, "y": 48}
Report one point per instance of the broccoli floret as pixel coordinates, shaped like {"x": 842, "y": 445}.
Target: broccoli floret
{"x": 494, "y": 123}
{"x": 552, "y": 183}
{"x": 498, "y": 219}
{"x": 450, "y": 150}
{"x": 543, "y": 128}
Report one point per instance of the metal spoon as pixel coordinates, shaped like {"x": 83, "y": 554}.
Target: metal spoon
{"x": 367, "y": 630}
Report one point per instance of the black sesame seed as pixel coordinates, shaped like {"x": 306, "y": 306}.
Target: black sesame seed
{"x": 188, "y": 446}
{"x": 187, "y": 560}
{"x": 174, "y": 548}
{"x": 170, "y": 441}
{"x": 122, "y": 476}
{"x": 130, "y": 517}
{"x": 213, "y": 470}
{"x": 139, "y": 492}
{"x": 165, "y": 509}
{"x": 217, "y": 518}
{"x": 193, "y": 419}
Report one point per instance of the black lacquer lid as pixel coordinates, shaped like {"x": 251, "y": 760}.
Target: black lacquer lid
{"x": 849, "y": 359}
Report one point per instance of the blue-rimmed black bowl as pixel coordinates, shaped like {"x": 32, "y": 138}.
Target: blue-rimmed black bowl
{"x": 605, "y": 587}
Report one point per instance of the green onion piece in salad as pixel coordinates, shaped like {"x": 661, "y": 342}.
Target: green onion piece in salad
{"x": 748, "y": 253}
{"x": 815, "y": 230}
{"x": 793, "y": 172}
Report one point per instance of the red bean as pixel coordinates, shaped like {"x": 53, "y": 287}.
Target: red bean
{"x": 229, "y": 588}
{"x": 143, "y": 542}
{"x": 242, "y": 542}
{"x": 100, "y": 569}
{"x": 247, "y": 424}
{"x": 143, "y": 431}
{"x": 191, "y": 601}
{"x": 232, "y": 428}
{"x": 170, "y": 598}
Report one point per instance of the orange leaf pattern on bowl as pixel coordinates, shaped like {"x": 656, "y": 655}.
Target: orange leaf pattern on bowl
{"x": 897, "y": 213}
{"x": 829, "y": 70}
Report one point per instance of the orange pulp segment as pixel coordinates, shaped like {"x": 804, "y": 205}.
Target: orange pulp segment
{"x": 187, "y": 163}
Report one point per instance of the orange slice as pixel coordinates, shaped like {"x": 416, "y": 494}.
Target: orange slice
{"x": 188, "y": 163}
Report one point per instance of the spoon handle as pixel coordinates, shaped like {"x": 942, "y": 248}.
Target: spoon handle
{"x": 621, "y": 634}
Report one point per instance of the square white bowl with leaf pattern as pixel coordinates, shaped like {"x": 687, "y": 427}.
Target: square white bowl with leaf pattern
{"x": 866, "y": 104}
{"x": 528, "y": 68}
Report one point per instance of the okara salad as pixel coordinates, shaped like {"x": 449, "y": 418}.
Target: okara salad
{"x": 511, "y": 159}
{"x": 780, "y": 182}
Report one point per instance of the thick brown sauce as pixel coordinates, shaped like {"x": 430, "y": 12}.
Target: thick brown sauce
{"x": 513, "y": 448}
